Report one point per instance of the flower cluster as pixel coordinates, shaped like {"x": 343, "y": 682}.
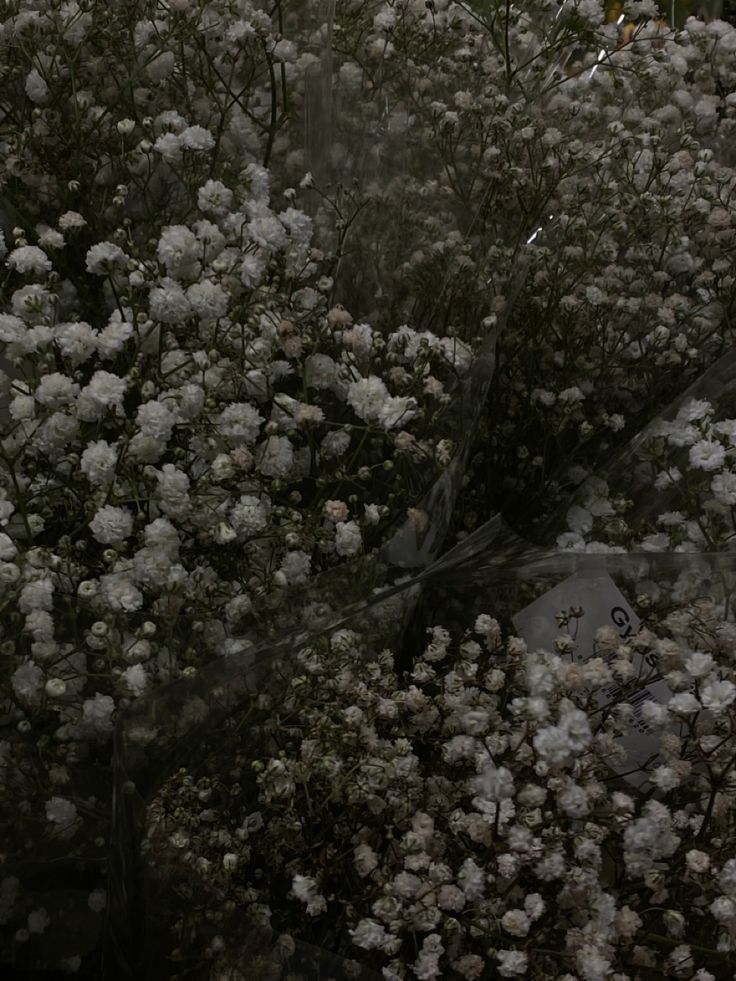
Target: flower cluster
{"x": 461, "y": 820}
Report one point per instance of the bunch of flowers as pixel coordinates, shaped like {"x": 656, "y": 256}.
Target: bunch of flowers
{"x": 460, "y": 819}
{"x": 219, "y": 441}
{"x": 228, "y": 367}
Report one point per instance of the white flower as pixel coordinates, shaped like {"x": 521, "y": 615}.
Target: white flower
{"x": 268, "y": 232}
{"x": 723, "y": 909}
{"x": 23, "y": 407}
{"x": 119, "y": 593}
{"x": 156, "y": 420}
{"x": 135, "y": 678}
{"x": 470, "y": 966}
{"x": 168, "y": 303}
{"x": 450, "y": 898}
{"x": 579, "y": 520}
{"x": 471, "y": 879}
{"x": 665, "y": 778}
{"x": 336, "y": 511}
{"x": 210, "y": 238}
{"x": 208, "y": 300}
{"x": 348, "y": 539}
{"x": 104, "y": 257}
{"x": 396, "y": 410}
{"x": 229, "y": 861}
{"x": 695, "y": 409}
{"x": 707, "y": 455}
{"x": 112, "y": 338}
{"x": 573, "y": 801}
{"x": 30, "y": 259}
{"x": 97, "y": 713}
{"x": 178, "y": 249}
{"x": 169, "y": 146}
{"x": 56, "y": 390}
{"x": 60, "y": 811}
{"x": 494, "y": 783}
{"x": 534, "y": 905}
{"x": 512, "y": 963}
{"x": 367, "y": 397}
{"x": 723, "y": 486}
{"x": 296, "y": 566}
{"x": 570, "y": 396}
{"x": 105, "y": 390}
{"x": 369, "y": 934}
{"x": 305, "y": 890}
{"x": 717, "y": 696}
{"x": 515, "y": 922}
{"x": 111, "y": 524}
{"x": 56, "y": 687}
{"x": 426, "y": 966}
{"x": 275, "y": 456}
{"x": 197, "y": 138}
{"x": 320, "y": 371}
{"x": 685, "y": 703}
{"x": 173, "y": 487}
{"x": 698, "y": 664}
{"x": 71, "y": 219}
{"x": 36, "y": 595}
{"x": 27, "y": 681}
{"x": 666, "y": 478}
{"x": 38, "y": 920}
{"x": 98, "y": 462}
{"x": 252, "y": 268}
{"x": 97, "y": 900}
{"x": 76, "y": 341}
{"x": 214, "y": 198}
{"x": 240, "y": 421}
{"x": 36, "y": 88}
{"x": 335, "y": 444}
{"x": 697, "y": 862}
{"x": 249, "y": 515}
{"x": 161, "y": 534}
{"x": 592, "y": 964}
{"x": 299, "y": 226}
{"x": 365, "y": 859}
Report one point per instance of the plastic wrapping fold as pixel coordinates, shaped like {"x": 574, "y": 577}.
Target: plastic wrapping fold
{"x": 630, "y": 473}
{"x": 543, "y": 595}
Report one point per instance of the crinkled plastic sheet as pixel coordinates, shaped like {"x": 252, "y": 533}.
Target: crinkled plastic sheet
{"x": 625, "y": 473}
{"x": 526, "y": 588}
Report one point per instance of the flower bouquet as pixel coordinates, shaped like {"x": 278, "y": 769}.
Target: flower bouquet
{"x": 237, "y": 392}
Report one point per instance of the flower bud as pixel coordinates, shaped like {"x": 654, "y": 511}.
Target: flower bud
{"x": 55, "y": 687}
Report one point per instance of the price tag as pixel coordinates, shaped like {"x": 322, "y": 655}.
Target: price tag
{"x": 603, "y": 604}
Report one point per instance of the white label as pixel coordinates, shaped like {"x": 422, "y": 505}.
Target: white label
{"x": 603, "y": 604}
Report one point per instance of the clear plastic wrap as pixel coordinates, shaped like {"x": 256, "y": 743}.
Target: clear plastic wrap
{"x": 544, "y": 595}
{"x": 655, "y": 473}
